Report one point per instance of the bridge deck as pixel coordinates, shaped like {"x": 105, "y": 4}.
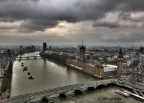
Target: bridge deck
{"x": 27, "y": 56}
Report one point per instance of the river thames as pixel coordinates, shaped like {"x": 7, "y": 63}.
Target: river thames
{"x": 48, "y": 74}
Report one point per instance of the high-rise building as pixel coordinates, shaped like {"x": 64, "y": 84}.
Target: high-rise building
{"x": 9, "y": 52}
{"x": 50, "y": 47}
{"x": 44, "y": 46}
{"x": 141, "y": 50}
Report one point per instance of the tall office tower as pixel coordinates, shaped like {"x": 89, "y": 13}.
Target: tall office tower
{"x": 44, "y": 46}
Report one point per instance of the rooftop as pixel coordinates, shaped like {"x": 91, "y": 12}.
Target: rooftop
{"x": 139, "y": 71}
{"x": 109, "y": 67}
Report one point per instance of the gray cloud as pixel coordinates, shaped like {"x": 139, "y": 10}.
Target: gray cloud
{"x": 76, "y": 11}
{"x": 38, "y": 15}
{"x": 38, "y": 25}
{"x": 106, "y": 24}
{"x": 122, "y": 38}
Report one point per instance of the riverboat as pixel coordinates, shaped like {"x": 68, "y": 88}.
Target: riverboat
{"x": 125, "y": 94}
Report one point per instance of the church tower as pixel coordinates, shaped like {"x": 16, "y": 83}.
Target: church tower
{"x": 101, "y": 70}
{"x": 120, "y": 63}
{"x": 82, "y": 50}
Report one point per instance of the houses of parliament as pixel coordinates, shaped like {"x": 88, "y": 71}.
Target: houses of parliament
{"x": 97, "y": 68}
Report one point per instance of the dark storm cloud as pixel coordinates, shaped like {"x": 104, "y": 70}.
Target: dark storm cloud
{"x": 41, "y": 15}
{"x": 38, "y": 25}
{"x": 134, "y": 5}
{"x": 37, "y": 16}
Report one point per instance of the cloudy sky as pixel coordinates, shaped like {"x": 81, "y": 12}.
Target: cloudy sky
{"x": 96, "y": 22}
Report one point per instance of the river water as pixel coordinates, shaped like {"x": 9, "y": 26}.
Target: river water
{"x": 48, "y": 74}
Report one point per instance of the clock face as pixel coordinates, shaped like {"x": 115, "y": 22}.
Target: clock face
{"x": 120, "y": 59}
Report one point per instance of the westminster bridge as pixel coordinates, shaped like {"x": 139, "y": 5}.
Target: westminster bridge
{"x": 76, "y": 88}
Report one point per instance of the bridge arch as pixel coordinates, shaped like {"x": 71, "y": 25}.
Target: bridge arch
{"x": 91, "y": 88}
{"x": 44, "y": 100}
{"x": 110, "y": 84}
{"x": 62, "y": 95}
{"x": 100, "y": 86}
{"x": 78, "y": 91}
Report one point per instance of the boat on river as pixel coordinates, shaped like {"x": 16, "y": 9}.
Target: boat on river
{"x": 30, "y": 77}
{"x": 25, "y": 69}
{"x": 123, "y": 93}
{"x": 28, "y": 73}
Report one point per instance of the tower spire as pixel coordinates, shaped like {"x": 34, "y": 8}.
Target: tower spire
{"x": 120, "y": 55}
{"x": 82, "y": 50}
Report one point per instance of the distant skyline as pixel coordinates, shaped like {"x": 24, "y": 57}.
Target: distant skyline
{"x": 68, "y": 22}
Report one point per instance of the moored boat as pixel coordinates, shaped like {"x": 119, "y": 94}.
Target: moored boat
{"x": 122, "y": 93}
{"x": 25, "y": 69}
